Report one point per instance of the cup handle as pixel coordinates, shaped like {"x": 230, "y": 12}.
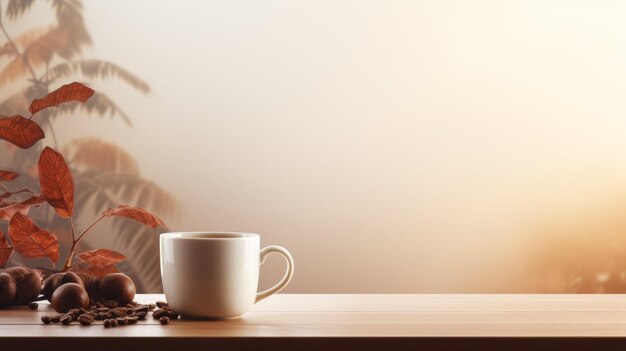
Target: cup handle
{"x": 286, "y": 278}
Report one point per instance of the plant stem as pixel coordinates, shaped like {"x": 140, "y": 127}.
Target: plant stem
{"x": 72, "y": 225}
{"x": 89, "y": 228}
{"x": 68, "y": 262}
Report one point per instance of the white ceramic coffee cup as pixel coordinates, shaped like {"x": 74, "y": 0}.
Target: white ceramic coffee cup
{"x": 215, "y": 274}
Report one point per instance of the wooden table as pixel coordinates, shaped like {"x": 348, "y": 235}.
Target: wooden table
{"x": 340, "y": 322}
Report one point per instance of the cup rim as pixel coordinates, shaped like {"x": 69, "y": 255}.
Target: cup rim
{"x": 192, "y": 235}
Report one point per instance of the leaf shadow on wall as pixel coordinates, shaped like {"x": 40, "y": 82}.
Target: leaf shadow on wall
{"x": 105, "y": 174}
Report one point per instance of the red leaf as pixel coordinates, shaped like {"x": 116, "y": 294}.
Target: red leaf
{"x": 57, "y": 184}
{"x": 69, "y": 92}
{"x": 7, "y": 210}
{"x": 8, "y": 175}
{"x": 101, "y": 257}
{"x": 20, "y": 131}
{"x": 3, "y": 240}
{"x": 97, "y": 271}
{"x": 136, "y": 213}
{"x": 5, "y": 254}
{"x": 30, "y": 240}
{"x": 5, "y": 250}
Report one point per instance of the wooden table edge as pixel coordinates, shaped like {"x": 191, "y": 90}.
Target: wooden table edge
{"x": 297, "y": 343}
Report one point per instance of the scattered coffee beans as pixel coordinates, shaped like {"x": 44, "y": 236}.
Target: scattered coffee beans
{"x": 33, "y": 305}
{"x": 113, "y": 315}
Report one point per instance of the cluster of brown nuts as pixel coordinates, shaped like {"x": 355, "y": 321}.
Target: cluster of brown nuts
{"x": 67, "y": 291}
{"x": 80, "y": 297}
{"x": 113, "y": 315}
{"x": 18, "y": 286}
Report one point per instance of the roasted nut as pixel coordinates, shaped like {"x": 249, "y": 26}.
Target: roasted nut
{"x": 33, "y": 305}
{"x": 118, "y": 287}
{"x": 50, "y": 284}
{"x": 8, "y": 290}
{"x": 71, "y": 277}
{"x": 28, "y": 287}
{"x": 46, "y": 319}
{"x": 160, "y": 304}
{"x": 17, "y": 272}
{"x": 69, "y": 296}
{"x": 92, "y": 285}
{"x": 164, "y": 320}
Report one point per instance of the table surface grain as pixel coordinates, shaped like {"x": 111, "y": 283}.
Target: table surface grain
{"x": 303, "y": 321}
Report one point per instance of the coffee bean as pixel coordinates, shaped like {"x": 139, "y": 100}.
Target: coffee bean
{"x": 158, "y": 314}
{"x": 74, "y": 312}
{"x": 56, "y": 319}
{"x": 33, "y": 305}
{"x": 151, "y": 306}
{"x": 110, "y": 303}
{"x": 113, "y": 322}
{"x": 164, "y": 320}
{"x": 116, "y": 314}
{"x": 102, "y": 309}
{"x": 67, "y": 318}
{"x": 84, "y": 321}
{"x": 46, "y": 319}
{"x": 107, "y": 323}
{"x": 160, "y": 304}
{"x": 87, "y": 316}
{"x": 121, "y": 320}
{"x": 131, "y": 320}
{"x": 141, "y": 315}
{"x": 142, "y": 308}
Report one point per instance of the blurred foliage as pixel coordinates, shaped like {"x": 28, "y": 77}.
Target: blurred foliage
{"x": 39, "y": 60}
{"x": 583, "y": 252}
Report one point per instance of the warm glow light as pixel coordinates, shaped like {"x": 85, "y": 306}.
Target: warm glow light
{"x": 403, "y": 146}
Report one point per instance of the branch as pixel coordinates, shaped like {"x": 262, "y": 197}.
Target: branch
{"x": 68, "y": 262}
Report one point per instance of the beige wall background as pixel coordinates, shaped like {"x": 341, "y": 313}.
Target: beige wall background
{"x": 392, "y": 146}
